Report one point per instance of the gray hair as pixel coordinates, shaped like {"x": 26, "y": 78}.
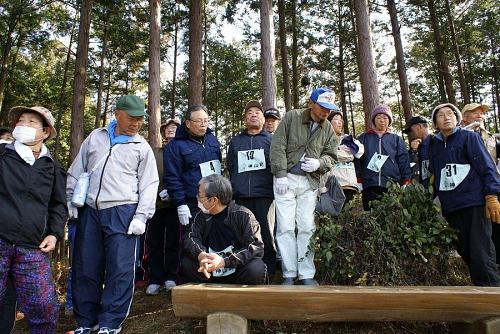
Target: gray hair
{"x": 218, "y": 186}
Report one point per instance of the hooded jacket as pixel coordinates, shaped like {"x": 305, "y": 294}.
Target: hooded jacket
{"x": 465, "y": 148}
{"x": 181, "y": 164}
{"x": 126, "y": 175}
{"x": 256, "y": 183}
{"x": 33, "y": 198}
{"x": 396, "y": 168}
{"x": 247, "y": 246}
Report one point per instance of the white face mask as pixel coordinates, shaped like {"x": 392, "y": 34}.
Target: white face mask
{"x": 24, "y": 134}
{"x": 202, "y": 208}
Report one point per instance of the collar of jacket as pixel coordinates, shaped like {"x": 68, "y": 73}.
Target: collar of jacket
{"x": 375, "y": 133}
{"x": 440, "y": 137}
{"x": 11, "y": 146}
{"x": 137, "y": 138}
{"x": 230, "y": 209}
{"x": 306, "y": 118}
{"x": 245, "y": 132}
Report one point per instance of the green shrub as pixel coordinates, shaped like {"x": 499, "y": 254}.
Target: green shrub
{"x": 403, "y": 240}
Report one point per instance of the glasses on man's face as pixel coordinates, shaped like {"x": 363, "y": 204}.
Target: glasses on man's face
{"x": 198, "y": 197}
{"x": 199, "y": 121}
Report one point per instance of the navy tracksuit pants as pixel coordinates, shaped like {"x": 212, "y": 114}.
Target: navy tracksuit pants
{"x": 103, "y": 266}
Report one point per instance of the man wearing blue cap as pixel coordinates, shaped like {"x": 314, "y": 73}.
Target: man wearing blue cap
{"x": 122, "y": 180}
{"x": 303, "y": 147}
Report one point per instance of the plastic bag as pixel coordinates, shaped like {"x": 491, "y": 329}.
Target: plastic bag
{"x": 331, "y": 197}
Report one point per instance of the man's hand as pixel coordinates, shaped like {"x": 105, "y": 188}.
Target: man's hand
{"x": 72, "y": 211}
{"x": 310, "y": 165}
{"x": 136, "y": 227}
{"x": 492, "y": 208}
{"x": 48, "y": 244}
{"x": 215, "y": 262}
{"x": 202, "y": 257}
{"x": 281, "y": 185}
{"x": 164, "y": 196}
{"x": 184, "y": 214}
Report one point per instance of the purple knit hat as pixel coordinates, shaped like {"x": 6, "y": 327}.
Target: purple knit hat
{"x": 381, "y": 109}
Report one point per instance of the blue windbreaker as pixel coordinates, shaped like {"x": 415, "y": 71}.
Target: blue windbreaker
{"x": 181, "y": 160}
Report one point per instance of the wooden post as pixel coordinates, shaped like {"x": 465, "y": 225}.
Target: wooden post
{"x": 490, "y": 325}
{"x": 226, "y": 323}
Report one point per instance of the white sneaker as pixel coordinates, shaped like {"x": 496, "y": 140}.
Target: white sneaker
{"x": 153, "y": 289}
{"x": 106, "y": 330}
{"x": 169, "y": 285}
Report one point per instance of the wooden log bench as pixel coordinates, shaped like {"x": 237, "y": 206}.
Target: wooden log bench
{"x": 227, "y": 307}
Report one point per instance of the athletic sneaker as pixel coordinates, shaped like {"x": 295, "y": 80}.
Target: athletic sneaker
{"x": 153, "y": 289}
{"x": 106, "y": 330}
{"x": 86, "y": 330}
{"x": 169, "y": 285}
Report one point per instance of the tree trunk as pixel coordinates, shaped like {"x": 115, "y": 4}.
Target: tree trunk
{"x": 341, "y": 67}
{"x": 456, "y": 51}
{"x": 195, "y": 52}
{"x": 267, "y": 54}
{"x": 400, "y": 60}
{"x": 62, "y": 95}
{"x": 106, "y": 103}
{"x": 205, "y": 50}
{"x": 79, "y": 91}
{"x": 104, "y": 50}
{"x": 7, "y": 46}
{"x": 284, "y": 54}
{"x": 174, "y": 74}
{"x": 472, "y": 84}
{"x": 441, "y": 55}
{"x": 495, "y": 81}
{"x": 352, "y": 110}
{"x": 295, "y": 55}
{"x": 13, "y": 62}
{"x": 366, "y": 62}
{"x": 154, "y": 120}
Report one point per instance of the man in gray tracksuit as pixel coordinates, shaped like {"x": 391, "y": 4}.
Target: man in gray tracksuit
{"x": 121, "y": 197}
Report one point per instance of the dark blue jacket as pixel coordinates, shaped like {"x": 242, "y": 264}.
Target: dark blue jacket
{"x": 258, "y": 183}
{"x": 395, "y": 169}
{"x": 181, "y": 160}
{"x": 463, "y": 147}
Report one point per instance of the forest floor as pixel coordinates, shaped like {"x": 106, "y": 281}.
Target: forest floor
{"x": 155, "y": 315}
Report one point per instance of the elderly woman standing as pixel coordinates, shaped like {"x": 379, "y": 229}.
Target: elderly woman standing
{"x": 385, "y": 159}
{"x": 33, "y": 197}
{"x": 348, "y": 149}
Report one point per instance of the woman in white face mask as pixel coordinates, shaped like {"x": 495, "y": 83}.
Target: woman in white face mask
{"x": 33, "y": 215}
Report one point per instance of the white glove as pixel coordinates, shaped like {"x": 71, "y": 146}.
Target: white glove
{"x": 184, "y": 214}
{"x": 72, "y": 211}
{"x": 164, "y": 196}
{"x": 281, "y": 185}
{"x": 310, "y": 165}
{"x": 136, "y": 227}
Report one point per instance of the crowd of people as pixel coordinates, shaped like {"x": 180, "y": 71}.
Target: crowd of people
{"x": 167, "y": 215}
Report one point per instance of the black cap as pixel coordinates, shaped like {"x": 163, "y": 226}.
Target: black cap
{"x": 272, "y": 112}
{"x": 414, "y": 120}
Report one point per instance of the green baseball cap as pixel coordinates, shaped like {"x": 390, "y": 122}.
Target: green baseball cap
{"x": 133, "y": 105}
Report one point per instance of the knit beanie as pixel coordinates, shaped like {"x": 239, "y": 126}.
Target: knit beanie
{"x": 449, "y": 105}
{"x": 381, "y": 109}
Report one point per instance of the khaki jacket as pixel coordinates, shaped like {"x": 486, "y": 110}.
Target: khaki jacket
{"x": 292, "y": 139}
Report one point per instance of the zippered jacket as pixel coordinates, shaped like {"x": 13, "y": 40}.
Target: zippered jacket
{"x": 292, "y": 140}
{"x": 181, "y": 162}
{"x": 255, "y": 183}
{"x": 247, "y": 246}
{"x": 397, "y": 166}
{"x": 127, "y": 175}
{"x": 33, "y": 198}
{"x": 462, "y": 148}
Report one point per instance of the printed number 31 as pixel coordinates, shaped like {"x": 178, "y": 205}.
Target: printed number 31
{"x": 451, "y": 170}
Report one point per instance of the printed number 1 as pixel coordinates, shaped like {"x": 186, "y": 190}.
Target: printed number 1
{"x": 250, "y": 155}
{"x": 451, "y": 170}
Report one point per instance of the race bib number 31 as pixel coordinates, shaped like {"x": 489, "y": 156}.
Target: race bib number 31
{"x": 251, "y": 160}
{"x": 452, "y": 175}
{"x": 210, "y": 167}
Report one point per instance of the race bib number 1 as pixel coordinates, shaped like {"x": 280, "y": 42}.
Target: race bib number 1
{"x": 251, "y": 160}
{"x": 452, "y": 175}
{"x": 210, "y": 167}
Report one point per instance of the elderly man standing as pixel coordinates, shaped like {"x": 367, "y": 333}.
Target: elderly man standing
{"x": 272, "y": 119}
{"x": 468, "y": 184}
{"x": 223, "y": 244}
{"x": 120, "y": 169}
{"x": 303, "y": 147}
{"x": 473, "y": 119}
{"x": 193, "y": 153}
{"x": 250, "y": 173}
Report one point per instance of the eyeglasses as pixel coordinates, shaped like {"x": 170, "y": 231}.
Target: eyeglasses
{"x": 198, "y": 197}
{"x": 199, "y": 121}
